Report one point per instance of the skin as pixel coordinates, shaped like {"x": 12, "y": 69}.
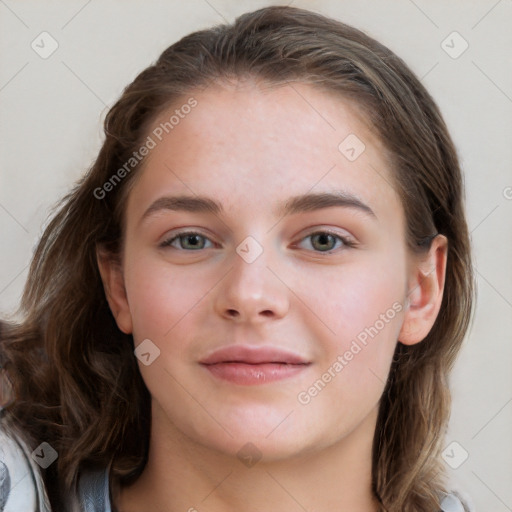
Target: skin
{"x": 251, "y": 147}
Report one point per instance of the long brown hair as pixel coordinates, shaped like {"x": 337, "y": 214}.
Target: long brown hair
{"x": 74, "y": 376}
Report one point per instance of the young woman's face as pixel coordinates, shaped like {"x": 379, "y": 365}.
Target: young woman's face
{"x": 265, "y": 258}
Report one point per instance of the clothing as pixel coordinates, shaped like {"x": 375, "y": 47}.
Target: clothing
{"x": 21, "y": 485}
{"x": 22, "y": 488}
{"x": 95, "y": 495}
{"x": 94, "y": 491}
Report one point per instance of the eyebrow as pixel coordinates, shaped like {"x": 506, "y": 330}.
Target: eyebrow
{"x": 296, "y": 204}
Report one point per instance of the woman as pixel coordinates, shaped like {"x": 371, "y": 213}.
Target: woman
{"x": 255, "y": 295}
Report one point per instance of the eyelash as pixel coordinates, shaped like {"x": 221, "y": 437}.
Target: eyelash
{"x": 346, "y": 241}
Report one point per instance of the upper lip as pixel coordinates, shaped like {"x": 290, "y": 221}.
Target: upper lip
{"x": 252, "y": 355}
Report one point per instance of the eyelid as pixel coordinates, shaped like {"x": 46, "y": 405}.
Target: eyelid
{"x": 343, "y": 234}
{"x": 347, "y": 239}
{"x": 166, "y": 242}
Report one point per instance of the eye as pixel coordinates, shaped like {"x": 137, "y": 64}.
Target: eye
{"x": 326, "y": 241}
{"x": 188, "y": 240}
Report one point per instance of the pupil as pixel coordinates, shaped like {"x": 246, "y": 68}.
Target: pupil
{"x": 324, "y": 239}
{"x": 192, "y": 240}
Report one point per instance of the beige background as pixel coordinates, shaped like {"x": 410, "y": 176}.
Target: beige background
{"x": 50, "y": 126}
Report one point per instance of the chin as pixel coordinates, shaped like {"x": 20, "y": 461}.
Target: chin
{"x": 259, "y": 447}
{"x": 268, "y": 439}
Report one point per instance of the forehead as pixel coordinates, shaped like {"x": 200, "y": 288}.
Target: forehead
{"x": 249, "y": 145}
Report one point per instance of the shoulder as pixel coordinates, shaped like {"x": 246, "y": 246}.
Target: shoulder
{"x": 21, "y": 483}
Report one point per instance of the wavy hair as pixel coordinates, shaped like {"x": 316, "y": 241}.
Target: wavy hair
{"x": 74, "y": 378}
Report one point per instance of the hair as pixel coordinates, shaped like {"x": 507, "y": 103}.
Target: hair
{"x": 74, "y": 378}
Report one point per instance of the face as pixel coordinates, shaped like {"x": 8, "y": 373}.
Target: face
{"x": 274, "y": 289}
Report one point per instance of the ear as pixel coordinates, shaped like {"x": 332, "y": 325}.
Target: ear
{"x": 113, "y": 283}
{"x": 426, "y": 286}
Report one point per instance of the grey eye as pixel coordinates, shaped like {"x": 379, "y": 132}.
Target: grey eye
{"x": 189, "y": 241}
{"x": 192, "y": 241}
{"x": 323, "y": 241}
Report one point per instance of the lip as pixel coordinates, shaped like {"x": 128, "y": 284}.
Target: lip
{"x": 252, "y": 355}
{"x": 245, "y": 365}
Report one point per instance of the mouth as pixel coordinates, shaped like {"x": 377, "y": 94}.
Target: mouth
{"x": 246, "y": 365}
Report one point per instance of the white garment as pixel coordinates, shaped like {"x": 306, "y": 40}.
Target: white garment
{"x": 452, "y": 503}
{"x": 21, "y": 485}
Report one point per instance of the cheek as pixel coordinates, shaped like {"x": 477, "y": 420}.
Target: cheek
{"x": 161, "y": 296}
{"x": 359, "y": 295}
{"x": 363, "y": 308}
{"x": 365, "y": 312}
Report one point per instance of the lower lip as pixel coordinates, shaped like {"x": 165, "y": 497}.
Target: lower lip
{"x": 252, "y": 374}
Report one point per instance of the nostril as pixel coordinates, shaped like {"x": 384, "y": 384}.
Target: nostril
{"x": 233, "y": 312}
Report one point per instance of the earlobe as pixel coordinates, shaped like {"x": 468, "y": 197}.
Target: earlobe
{"x": 115, "y": 292}
{"x": 425, "y": 295}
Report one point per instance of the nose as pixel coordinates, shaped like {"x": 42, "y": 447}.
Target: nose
{"x": 251, "y": 292}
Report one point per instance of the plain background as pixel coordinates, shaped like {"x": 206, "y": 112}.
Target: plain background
{"x": 50, "y": 131}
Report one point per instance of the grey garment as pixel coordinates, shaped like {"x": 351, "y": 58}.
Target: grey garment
{"x": 95, "y": 494}
{"x": 94, "y": 491}
{"x": 5, "y": 484}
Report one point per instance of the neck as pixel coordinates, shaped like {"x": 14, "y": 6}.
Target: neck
{"x": 182, "y": 475}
